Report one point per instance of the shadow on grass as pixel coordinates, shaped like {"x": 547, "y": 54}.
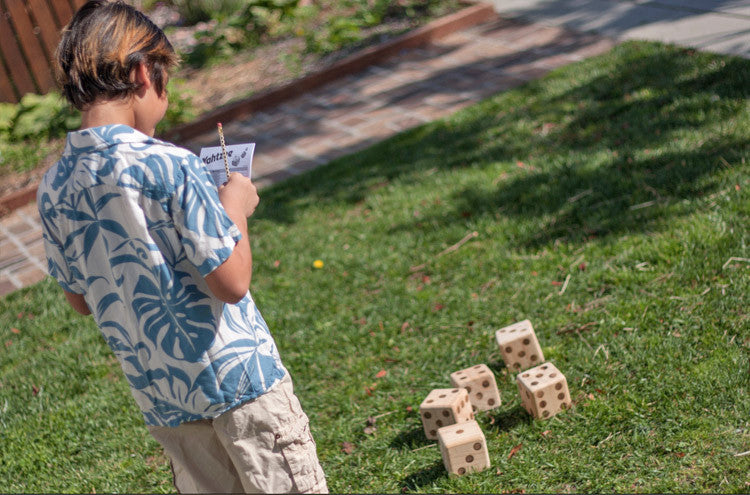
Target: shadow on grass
{"x": 423, "y": 477}
{"x": 598, "y": 154}
{"x": 506, "y": 420}
{"x": 621, "y": 197}
{"x": 412, "y": 439}
{"x": 497, "y": 367}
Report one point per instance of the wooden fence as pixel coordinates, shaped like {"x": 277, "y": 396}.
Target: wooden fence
{"x": 29, "y": 32}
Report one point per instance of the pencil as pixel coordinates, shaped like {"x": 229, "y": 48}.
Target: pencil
{"x": 223, "y": 149}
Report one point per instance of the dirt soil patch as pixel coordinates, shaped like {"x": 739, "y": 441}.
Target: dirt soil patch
{"x": 272, "y": 65}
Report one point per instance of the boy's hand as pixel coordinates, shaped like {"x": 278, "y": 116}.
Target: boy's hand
{"x": 239, "y": 194}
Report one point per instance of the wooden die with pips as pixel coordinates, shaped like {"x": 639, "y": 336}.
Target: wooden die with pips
{"x": 480, "y": 383}
{"x": 463, "y": 448}
{"x": 544, "y": 391}
{"x": 519, "y": 346}
{"x": 444, "y": 407}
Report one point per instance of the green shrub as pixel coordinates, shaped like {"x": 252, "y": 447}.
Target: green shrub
{"x": 195, "y": 11}
{"x": 335, "y": 34}
{"x": 239, "y": 29}
{"x": 325, "y": 26}
{"x": 336, "y": 31}
{"x": 33, "y": 128}
{"x": 180, "y": 109}
{"x": 7, "y": 112}
{"x": 30, "y": 130}
{"x": 38, "y": 117}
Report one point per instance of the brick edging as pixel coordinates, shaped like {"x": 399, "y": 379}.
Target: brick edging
{"x": 439, "y": 28}
{"x": 17, "y": 199}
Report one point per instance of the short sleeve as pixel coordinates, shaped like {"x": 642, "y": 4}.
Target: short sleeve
{"x": 57, "y": 265}
{"x": 208, "y": 234}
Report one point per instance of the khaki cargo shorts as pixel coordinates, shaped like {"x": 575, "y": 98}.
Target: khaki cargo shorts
{"x": 262, "y": 446}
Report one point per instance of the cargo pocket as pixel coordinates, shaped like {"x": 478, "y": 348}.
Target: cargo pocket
{"x": 298, "y": 448}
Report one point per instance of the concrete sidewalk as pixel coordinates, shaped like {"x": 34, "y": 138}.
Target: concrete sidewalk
{"x": 721, "y": 26}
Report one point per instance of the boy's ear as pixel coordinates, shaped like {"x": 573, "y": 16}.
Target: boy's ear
{"x": 140, "y": 75}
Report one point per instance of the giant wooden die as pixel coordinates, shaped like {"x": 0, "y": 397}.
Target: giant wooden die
{"x": 480, "y": 383}
{"x": 544, "y": 391}
{"x": 444, "y": 407}
{"x": 463, "y": 447}
{"x": 519, "y": 346}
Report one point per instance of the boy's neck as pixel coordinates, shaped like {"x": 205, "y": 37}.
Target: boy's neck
{"x": 110, "y": 112}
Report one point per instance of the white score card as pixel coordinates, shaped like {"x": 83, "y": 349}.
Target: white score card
{"x": 239, "y": 156}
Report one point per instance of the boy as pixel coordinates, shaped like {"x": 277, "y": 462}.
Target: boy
{"x": 137, "y": 234}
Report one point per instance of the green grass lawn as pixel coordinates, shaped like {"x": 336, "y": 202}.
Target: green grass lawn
{"x": 611, "y": 203}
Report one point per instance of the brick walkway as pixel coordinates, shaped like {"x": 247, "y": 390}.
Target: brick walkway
{"x": 349, "y": 114}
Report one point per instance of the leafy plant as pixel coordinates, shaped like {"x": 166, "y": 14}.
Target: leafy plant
{"x": 239, "y": 29}
{"x": 213, "y": 45}
{"x": 335, "y": 34}
{"x": 7, "y": 112}
{"x": 335, "y": 31}
{"x": 195, "y": 11}
{"x": 180, "y": 109}
{"x": 30, "y": 130}
{"x": 325, "y": 26}
{"x": 38, "y": 117}
{"x": 33, "y": 128}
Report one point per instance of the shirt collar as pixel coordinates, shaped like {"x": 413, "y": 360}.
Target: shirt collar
{"x": 101, "y": 137}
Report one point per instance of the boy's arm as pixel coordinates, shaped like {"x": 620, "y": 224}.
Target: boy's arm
{"x": 78, "y": 302}
{"x": 230, "y": 281}
{"x": 58, "y": 267}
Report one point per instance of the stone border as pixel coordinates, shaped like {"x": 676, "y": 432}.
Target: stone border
{"x": 476, "y": 13}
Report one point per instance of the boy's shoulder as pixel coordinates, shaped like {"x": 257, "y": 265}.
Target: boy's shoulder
{"x": 117, "y": 138}
{"x": 104, "y": 154}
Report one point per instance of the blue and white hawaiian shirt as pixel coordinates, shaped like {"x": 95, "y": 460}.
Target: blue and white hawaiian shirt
{"x": 134, "y": 224}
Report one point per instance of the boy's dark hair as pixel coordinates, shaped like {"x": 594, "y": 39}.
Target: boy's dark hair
{"x": 102, "y": 45}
